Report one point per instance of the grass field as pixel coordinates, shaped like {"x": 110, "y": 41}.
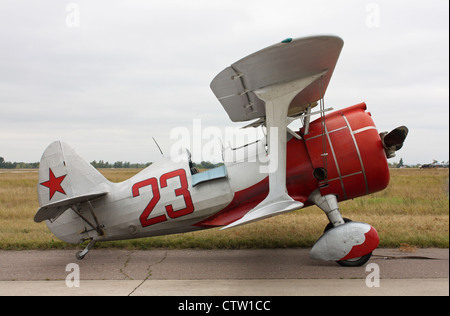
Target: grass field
{"x": 412, "y": 212}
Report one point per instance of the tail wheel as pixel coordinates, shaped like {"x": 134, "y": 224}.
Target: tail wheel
{"x": 354, "y": 262}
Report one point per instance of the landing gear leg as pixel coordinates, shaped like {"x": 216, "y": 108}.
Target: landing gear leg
{"x": 81, "y": 254}
{"x": 360, "y": 238}
{"x": 329, "y": 204}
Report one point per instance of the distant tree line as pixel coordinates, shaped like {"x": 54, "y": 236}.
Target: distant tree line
{"x": 202, "y": 165}
{"x": 119, "y": 164}
{"x": 97, "y": 164}
{"x": 17, "y": 165}
{"x": 434, "y": 164}
{"x": 127, "y": 164}
{"x": 206, "y": 165}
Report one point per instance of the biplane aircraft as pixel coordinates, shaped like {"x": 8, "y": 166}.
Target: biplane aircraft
{"x": 336, "y": 157}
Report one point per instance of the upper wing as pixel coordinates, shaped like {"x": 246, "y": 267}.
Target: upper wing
{"x": 277, "y": 82}
{"x": 235, "y": 86}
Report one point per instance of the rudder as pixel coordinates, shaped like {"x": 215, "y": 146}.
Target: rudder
{"x": 66, "y": 179}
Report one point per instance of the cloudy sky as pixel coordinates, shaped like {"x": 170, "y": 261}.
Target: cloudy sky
{"x": 107, "y": 76}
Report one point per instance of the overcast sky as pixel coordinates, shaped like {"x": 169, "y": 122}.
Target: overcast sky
{"x": 107, "y": 76}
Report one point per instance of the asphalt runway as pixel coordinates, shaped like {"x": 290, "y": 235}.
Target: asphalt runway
{"x": 255, "y": 272}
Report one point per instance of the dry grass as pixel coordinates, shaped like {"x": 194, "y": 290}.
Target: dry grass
{"x": 412, "y": 212}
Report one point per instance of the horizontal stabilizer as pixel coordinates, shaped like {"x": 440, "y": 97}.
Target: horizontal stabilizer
{"x": 268, "y": 208}
{"x": 53, "y": 210}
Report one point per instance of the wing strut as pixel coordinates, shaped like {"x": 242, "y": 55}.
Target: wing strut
{"x": 277, "y": 99}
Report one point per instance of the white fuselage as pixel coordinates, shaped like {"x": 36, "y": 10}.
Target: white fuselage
{"x": 162, "y": 199}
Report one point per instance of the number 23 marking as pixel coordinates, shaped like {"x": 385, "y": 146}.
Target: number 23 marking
{"x": 145, "y": 218}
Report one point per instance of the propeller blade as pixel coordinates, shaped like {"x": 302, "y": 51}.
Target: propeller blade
{"x": 396, "y": 137}
{"x": 394, "y": 140}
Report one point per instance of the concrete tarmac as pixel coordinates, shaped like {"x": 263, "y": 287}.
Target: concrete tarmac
{"x": 254, "y": 272}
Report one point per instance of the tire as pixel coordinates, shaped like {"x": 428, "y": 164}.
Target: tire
{"x": 79, "y": 256}
{"x": 355, "y": 262}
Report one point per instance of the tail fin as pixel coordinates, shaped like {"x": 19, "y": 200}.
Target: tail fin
{"x": 66, "y": 179}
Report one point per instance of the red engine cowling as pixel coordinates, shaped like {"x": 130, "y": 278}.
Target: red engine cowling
{"x": 347, "y": 154}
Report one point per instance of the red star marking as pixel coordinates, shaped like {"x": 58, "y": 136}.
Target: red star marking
{"x": 54, "y": 184}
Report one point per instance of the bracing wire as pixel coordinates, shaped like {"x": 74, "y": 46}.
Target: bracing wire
{"x": 324, "y": 130}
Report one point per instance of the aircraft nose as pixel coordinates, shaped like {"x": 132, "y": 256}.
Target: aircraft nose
{"x": 393, "y": 140}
